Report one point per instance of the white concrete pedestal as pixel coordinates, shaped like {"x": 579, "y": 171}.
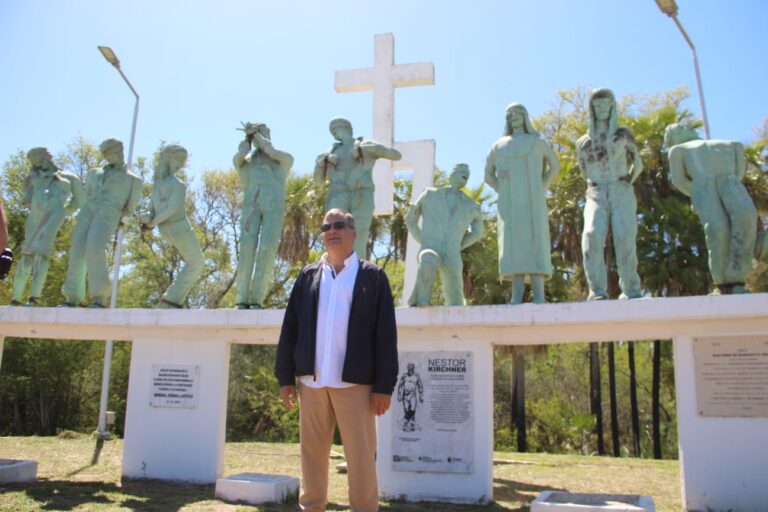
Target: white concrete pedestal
{"x": 257, "y": 488}
{"x": 723, "y": 461}
{"x": 15, "y": 471}
{"x": 559, "y": 501}
{"x": 475, "y": 487}
{"x": 174, "y": 442}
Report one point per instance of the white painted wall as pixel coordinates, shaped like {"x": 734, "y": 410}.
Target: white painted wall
{"x": 723, "y": 461}
{"x": 176, "y": 443}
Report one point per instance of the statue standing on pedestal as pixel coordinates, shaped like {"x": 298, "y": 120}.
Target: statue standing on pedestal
{"x": 51, "y": 195}
{"x": 112, "y": 191}
{"x": 263, "y": 171}
{"x": 604, "y": 153}
{"x": 520, "y": 167}
{"x": 710, "y": 173}
{"x": 348, "y": 167}
{"x": 446, "y": 215}
{"x": 168, "y": 214}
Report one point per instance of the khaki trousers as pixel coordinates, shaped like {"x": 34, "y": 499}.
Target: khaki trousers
{"x": 321, "y": 409}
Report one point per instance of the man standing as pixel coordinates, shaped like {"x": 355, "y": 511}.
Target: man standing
{"x": 603, "y": 154}
{"x": 112, "y": 191}
{"x": 51, "y": 195}
{"x": 710, "y": 173}
{"x": 410, "y": 391}
{"x": 450, "y": 221}
{"x": 348, "y": 167}
{"x": 339, "y": 338}
{"x": 263, "y": 171}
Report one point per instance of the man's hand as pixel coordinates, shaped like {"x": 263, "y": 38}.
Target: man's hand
{"x": 288, "y": 396}
{"x": 379, "y": 403}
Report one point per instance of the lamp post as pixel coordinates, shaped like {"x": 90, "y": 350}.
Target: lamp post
{"x": 102, "y": 432}
{"x": 669, "y": 7}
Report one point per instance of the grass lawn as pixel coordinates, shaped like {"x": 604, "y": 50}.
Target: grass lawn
{"x": 75, "y": 475}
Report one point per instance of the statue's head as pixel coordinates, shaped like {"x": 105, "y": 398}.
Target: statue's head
{"x": 677, "y": 133}
{"x": 112, "y": 151}
{"x": 173, "y": 157}
{"x": 340, "y": 128}
{"x": 40, "y": 157}
{"x": 517, "y": 120}
{"x": 411, "y": 368}
{"x": 602, "y": 108}
{"x": 459, "y": 176}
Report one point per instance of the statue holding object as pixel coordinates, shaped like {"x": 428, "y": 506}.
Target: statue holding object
{"x": 450, "y": 221}
{"x": 348, "y": 167}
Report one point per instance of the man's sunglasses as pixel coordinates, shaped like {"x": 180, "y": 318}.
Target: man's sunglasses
{"x": 338, "y": 226}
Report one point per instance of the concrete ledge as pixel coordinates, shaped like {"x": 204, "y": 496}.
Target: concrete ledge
{"x": 559, "y": 501}
{"x": 257, "y": 488}
{"x": 14, "y": 471}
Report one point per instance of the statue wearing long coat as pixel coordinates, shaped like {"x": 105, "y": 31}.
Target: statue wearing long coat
{"x": 520, "y": 167}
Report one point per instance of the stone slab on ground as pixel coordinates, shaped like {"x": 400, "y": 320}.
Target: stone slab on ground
{"x": 559, "y": 501}
{"x": 14, "y": 471}
{"x": 257, "y": 488}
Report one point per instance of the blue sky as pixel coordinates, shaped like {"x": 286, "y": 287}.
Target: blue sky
{"x": 203, "y": 66}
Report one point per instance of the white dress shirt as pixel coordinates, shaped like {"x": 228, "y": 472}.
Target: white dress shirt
{"x": 332, "y": 324}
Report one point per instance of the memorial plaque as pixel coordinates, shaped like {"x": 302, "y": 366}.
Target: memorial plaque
{"x": 432, "y": 413}
{"x": 174, "y": 385}
{"x": 732, "y": 376}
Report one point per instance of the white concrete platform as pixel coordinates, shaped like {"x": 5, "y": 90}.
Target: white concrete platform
{"x": 257, "y": 488}
{"x": 15, "y": 471}
{"x": 559, "y": 501}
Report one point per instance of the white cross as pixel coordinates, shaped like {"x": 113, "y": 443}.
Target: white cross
{"x": 383, "y": 78}
{"x": 418, "y": 155}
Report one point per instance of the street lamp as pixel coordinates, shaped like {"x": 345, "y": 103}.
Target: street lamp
{"x": 102, "y": 431}
{"x": 669, "y": 7}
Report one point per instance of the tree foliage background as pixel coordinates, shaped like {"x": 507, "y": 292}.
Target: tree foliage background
{"x": 47, "y": 386}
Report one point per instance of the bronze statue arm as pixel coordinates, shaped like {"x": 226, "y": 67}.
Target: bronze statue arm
{"x": 476, "y": 230}
{"x": 552, "y": 166}
{"x": 412, "y": 219}
{"x": 677, "y": 173}
{"x": 78, "y": 193}
{"x": 490, "y": 171}
{"x": 637, "y": 162}
{"x": 175, "y": 202}
{"x": 741, "y": 163}
{"x": 134, "y": 197}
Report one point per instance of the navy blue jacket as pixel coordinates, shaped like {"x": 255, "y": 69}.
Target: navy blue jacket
{"x": 371, "y": 356}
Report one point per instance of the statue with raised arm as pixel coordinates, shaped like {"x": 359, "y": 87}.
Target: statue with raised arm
{"x": 710, "y": 173}
{"x": 111, "y": 191}
{"x": 520, "y": 167}
{"x": 168, "y": 214}
{"x": 51, "y": 195}
{"x": 348, "y": 168}
{"x": 450, "y": 221}
{"x": 263, "y": 171}
{"x": 610, "y": 162}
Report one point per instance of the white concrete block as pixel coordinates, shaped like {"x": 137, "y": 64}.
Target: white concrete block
{"x": 257, "y": 488}
{"x": 559, "y": 501}
{"x": 13, "y": 471}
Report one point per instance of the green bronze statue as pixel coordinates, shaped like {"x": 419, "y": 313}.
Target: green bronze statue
{"x": 168, "y": 214}
{"x": 520, "y": 167}
{"x": 348, "y": 168}
{"x": 710, "y": 173}
{"x": 604, "y": 154}
{"x": 450, "y": 221}
{"x": 51, "y": 195}
{"x": 112, "y": 191}
{"x": 263, "y": 171}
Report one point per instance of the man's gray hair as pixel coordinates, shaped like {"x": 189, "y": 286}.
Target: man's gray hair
{"x": 348, "y": 218}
